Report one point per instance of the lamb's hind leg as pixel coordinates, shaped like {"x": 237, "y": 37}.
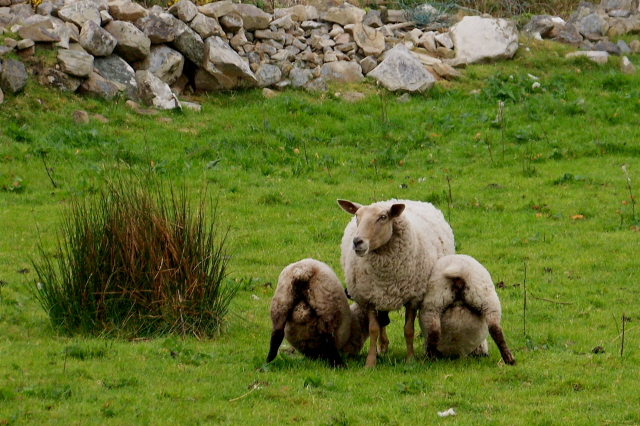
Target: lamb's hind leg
{"x": 330, "y": 352}
{"x": 374, "y": 334}
{"x": 498, "y": 336}
{"x": 277, "y": 335}
{"x": 431, "y": 321}
{"x": 409, "y": 330}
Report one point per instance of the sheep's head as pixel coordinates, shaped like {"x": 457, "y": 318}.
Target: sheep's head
{"x": 375, "y": 225}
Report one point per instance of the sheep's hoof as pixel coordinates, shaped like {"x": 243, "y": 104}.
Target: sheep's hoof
{"x": 371, "y": 362}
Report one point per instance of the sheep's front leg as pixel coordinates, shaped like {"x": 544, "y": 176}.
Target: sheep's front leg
{"x": 383, "y": 341}
{"x": 409, "y": 330}
{"x": 498, "y": 336}
{"x": 374, "y": 334}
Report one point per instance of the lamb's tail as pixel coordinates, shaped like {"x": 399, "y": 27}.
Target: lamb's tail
{"x": 455, "y": 270}
{"x": 458, "y": 273}
{"x": 302, "y": 272}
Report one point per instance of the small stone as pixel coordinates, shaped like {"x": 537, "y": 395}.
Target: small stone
{"x": 25, "y": 44}
{"x": 101, "y": 118}
{"x": 353, "y": 97}
{"x": 626, "y": 67}
{"x": 231, "y": 22}
{"x": 125, "y": 11}
{"x": 595, "y": 56}
{"x": 13, "y": 76}
{"x": 607, "y": 46}
{"x": 624, "y": 48}
{"x": 192, "y": 106}
{"x": 300, "y": 76}
{"x": 403, "y": 99}
{"x": 98, "y": 87}
{"x": 184, "y": 10}
{"x": 368, "y": 64}
{"x": 268, "y": 93}
{"x": 146, "y": 111}
{"x": 316, "y": 85}
{"x": 444, "y": 40}
{"x": 80, "y": 117}
{"x": 11, "y": 43}
{"x": 57, "y": 79}
{"x": 446, "y": 71}
{"x": 268, "y": 75}
{"x": 132, "y": 105}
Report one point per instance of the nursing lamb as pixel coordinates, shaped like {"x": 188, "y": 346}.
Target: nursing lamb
{"x": 461, "y": 307}
{"x": 387, "y": 253}
{"x": 310, "y": 309}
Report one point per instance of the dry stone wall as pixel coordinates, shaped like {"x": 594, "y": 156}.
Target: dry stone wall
{"x": 158, "y": 55}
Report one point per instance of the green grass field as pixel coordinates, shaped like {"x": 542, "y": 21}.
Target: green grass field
{"x": 538, "y": 195}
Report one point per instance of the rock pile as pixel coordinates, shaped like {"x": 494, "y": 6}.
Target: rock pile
{"x": 590, "y": 27}
{"x": 106, "y": 47}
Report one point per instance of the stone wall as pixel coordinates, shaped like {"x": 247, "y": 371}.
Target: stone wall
{"x": 157, "y": 55}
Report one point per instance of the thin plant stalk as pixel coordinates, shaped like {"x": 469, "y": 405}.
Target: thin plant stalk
{"x": 450, "y": 196}
{"x": 524, "y": 300}
{"x": 631, "y": 196}
{"x": 500, "y": 118}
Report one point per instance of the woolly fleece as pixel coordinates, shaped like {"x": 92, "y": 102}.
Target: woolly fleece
{"x": 462, "y": 298}
{"x": 396, "y": 274}
{"x": 311, "y": 303}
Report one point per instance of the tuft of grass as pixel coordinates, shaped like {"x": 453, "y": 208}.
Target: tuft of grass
{"x": 136, "y": 259}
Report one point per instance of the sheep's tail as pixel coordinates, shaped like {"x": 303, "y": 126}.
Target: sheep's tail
{"x": 455, "y": 270}
{"x": 458, "y": 274}
{"x": 301, "y": 276}
{"x": 303, "y": 272}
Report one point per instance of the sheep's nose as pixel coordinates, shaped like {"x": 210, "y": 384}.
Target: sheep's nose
{"x": 357, "y": 242}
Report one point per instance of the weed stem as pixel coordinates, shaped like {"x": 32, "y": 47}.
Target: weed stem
{"x": 524, "y": 297}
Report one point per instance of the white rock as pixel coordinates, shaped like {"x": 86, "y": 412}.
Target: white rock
{"x": 595, "y": 55}
{"x": 478, "y": 39}
{"x": 445, "y": 40}
{"x": 626, "y": 66}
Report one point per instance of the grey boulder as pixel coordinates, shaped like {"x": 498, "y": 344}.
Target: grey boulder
{"x": 400, "y": 70}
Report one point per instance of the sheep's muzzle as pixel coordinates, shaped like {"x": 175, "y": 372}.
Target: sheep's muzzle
{"x": 360, "y": 246}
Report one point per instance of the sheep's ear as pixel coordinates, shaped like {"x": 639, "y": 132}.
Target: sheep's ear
{"x": 348, "y": 206}
{"x": 396, "y": 210}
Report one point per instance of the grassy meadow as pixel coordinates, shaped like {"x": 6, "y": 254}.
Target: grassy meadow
{"x": 535, "y": 190}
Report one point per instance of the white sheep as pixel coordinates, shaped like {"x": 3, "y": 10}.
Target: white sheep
{"x": 461, "y": 307}
{"x": 387, "y": 253}
{"x": 310, "y": 309}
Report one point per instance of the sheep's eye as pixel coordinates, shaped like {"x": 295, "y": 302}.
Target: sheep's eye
{"x": 383, "y": 217}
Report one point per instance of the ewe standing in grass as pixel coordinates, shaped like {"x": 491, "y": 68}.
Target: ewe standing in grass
{"x": 310, "y": 309}
{"x": 388, "y": 251}
{"x": 460, "y": 309}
